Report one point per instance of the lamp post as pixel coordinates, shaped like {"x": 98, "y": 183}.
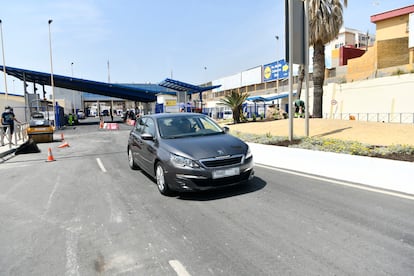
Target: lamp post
{"x": 73, "y": 92}
{"x": 51, "y": 76}
{"x": 4, "y": 63}
{"x": 277, "y": 64}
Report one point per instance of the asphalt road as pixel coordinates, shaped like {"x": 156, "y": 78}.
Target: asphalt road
{"x": 87, "y": 213}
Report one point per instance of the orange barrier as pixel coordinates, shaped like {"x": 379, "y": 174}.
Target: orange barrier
{"x": 111, "y": 126}
{"x": 50, "y": 156}
{"x": 64, "y": 145}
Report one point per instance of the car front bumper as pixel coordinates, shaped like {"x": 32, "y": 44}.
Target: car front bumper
{"x": 202, "y": 179}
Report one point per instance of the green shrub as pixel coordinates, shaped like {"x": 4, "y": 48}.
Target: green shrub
{"x": 327, "y": 144}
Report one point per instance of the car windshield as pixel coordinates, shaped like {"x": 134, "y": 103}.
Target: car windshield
{"x": 184, "y": 126}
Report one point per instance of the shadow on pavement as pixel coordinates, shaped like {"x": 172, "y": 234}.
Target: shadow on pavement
{"x": 331, "y": 132}
{"x": 253, "y": 185}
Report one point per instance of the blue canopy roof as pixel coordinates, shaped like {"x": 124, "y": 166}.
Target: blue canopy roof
{"x": 185, "y": 87}
{"x": 268, "y": 99}
{"x": 133, "y": 92}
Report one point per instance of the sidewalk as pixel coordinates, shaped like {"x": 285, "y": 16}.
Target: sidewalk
{"x": 6, "y": 150}
{"x": 376, "y": 172}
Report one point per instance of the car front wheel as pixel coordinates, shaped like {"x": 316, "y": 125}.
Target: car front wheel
{"x": 160, "y": 178}
{"x": 131, "y": 161}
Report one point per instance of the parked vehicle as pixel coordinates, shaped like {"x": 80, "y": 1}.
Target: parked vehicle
{"x": 81, "y": 114}
{"x": 188, "y": 152}
{"x": 227, "y": 114}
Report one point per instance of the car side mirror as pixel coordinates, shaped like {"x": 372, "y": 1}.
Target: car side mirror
{"x": 147, "y": 136}
{"x": 226, "y": 129}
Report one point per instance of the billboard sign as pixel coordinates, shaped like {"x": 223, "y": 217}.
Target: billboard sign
{"x": 275, "y": 70}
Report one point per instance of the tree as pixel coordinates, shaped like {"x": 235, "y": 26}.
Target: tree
{"x": 235, "y": 101}
{"x": 301, "y": 76}
{"x": 325, "y": 20}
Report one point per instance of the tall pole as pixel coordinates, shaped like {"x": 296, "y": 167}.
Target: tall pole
{"x": 4, "y": 64}
{"x": 290, "y": 37}
{"x": 73, "y": 91}
{"x": 277, "y": 64}
{"x": 51, "y": 76}
{"x": 306, "y": 31}
{"x": 109, "y": 75}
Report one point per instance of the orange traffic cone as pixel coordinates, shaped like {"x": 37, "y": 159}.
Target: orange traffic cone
{"x": 101, "y": 124}
{"x": 50, "y": 156}
{"x": 64, "y": 145}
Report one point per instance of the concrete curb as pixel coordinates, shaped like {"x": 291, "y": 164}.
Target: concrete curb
{"x": 376, "y": 172}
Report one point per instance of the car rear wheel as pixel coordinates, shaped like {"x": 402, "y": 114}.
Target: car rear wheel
{"x": 160, "y": 178}
{"x": 131, "y": 161}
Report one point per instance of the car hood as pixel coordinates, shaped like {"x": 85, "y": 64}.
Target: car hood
{"x": 206, "y": 146}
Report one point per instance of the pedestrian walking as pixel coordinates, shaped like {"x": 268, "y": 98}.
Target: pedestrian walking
{"x": 7, "y": 120}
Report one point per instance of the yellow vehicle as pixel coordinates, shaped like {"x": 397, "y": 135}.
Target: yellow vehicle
{"x": 40, "y": 129}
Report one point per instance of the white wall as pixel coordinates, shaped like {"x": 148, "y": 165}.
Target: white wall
{"x": 394, "y": 94}
{"x": 16, "y": 102}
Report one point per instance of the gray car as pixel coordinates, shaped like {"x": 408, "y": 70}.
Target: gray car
{"x": 188, "y": 152}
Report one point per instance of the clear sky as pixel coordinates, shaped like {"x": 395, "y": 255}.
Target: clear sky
{"x": 147, "y": 41}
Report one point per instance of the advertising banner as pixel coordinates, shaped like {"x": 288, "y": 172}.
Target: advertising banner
{"x": 275, "y": 70}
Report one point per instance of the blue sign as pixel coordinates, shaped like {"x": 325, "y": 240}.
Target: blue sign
{"x": 275, "y": 70}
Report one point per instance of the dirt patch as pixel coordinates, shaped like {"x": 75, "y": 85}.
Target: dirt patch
{"x": 372, "y": 133}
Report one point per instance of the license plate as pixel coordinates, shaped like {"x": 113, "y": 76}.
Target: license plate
{"x": 225, "y": 173}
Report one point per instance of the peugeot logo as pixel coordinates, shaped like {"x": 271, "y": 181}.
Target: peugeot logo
{"x": 220, "y": 152}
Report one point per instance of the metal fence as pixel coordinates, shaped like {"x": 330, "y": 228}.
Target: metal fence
{"x": 19, "y": 135}
{"x": 400, "y": 118}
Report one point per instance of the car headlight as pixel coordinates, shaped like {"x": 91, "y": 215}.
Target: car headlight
{"x": 180, "y": 161}
{"x": 249, "y": 153}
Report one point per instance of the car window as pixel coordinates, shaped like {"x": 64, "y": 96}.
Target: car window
{"x": 139, "y": 125}
{"x": 184, "y": 126}
{"x": 208, "y": 124}
{"x": 149, "y": 127}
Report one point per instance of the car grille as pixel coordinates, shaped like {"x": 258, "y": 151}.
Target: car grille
{"x": 221, "y": 162}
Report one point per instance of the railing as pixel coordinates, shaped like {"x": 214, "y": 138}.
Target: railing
{"x": 401, "y": 118}
{"x": 20, "y": 134}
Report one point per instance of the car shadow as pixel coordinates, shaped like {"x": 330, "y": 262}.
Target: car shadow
{"x": 253, "y": 185}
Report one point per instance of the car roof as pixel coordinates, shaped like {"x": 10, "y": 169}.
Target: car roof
{"x": 180, "y": 114}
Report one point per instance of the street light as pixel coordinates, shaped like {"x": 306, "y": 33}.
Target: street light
{"x": 277, "y": 64}
{"x": 51, "y": 76}
{"x": 73, "y": 91}
{"x": 4, "y": 63}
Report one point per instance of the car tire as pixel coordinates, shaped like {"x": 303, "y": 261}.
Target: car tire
{"x": 131, "y": 161}
{"x": 162, "y": 184}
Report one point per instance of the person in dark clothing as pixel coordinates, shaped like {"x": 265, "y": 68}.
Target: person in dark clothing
{"x": 7, "y": 120}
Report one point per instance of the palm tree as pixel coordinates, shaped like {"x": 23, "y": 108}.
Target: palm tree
{"x": 235, "y": 101}
{"x": 325, "y": 20}
{"x": 301, "y": 76}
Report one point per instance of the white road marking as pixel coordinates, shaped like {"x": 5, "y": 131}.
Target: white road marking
{"x": 100, "y": 164}
{"x": 49, "y": 201}
{"x": 179, "y": 268}
{"x": 339, "y": 182}
{"x": 116, "y": 215}
{"x": 72, "y": 266}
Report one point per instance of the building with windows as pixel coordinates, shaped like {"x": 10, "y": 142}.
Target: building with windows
{"x": 393, "y": 51}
